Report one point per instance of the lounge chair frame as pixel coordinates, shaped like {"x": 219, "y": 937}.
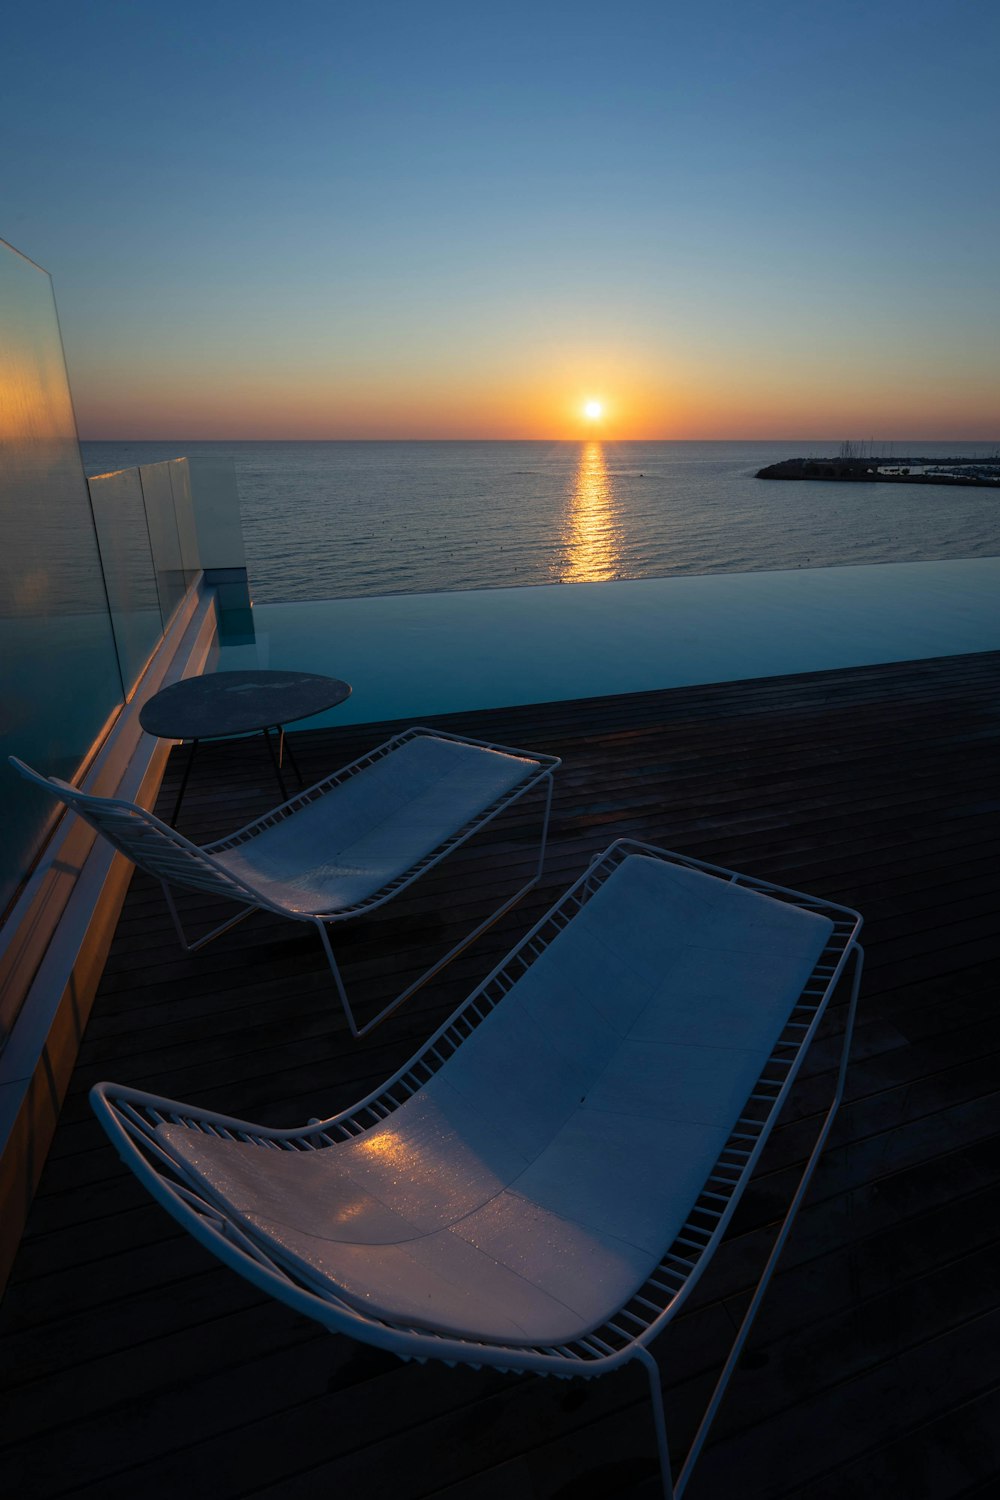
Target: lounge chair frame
{"x": 176, "y": 861}
{"x": 131, "y": 1117}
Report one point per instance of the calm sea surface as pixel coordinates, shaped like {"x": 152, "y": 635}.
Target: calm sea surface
{"x": 337, "y": 519}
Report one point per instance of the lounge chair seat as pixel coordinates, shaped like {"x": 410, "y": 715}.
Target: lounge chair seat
{"x": 541, "y": 1186}
{"x": 342, "y": 847}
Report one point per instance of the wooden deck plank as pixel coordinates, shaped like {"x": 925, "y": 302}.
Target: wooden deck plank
{"x": 952, "y": 1456}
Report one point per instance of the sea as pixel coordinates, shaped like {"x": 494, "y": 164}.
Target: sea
{"x": 326, "y": 520}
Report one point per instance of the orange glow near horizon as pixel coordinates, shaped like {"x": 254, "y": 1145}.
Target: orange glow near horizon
{"x": 640, "y": 399}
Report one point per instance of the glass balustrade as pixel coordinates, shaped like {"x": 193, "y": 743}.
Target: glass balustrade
{"x": 126, "y": 555}
{"x": 90, "y": 577}
{"x": 60, "y": 679}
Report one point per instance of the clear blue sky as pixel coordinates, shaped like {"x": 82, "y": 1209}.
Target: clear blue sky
{"x": 750, "y": 219}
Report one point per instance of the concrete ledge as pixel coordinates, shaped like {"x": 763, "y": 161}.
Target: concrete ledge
{"x": 56, "y": 939}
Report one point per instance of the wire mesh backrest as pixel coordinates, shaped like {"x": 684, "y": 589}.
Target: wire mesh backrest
{"x": 142, "y": 838}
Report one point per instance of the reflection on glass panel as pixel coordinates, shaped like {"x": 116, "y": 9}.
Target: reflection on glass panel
{"x": 59, "y": 678}
{"x": 158, "y": 496}
{"x": 592, "y": 540}
{"x": 120, "y": 518}
{"x": 180, "y": 484}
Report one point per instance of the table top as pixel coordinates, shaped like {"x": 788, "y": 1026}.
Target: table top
{"x": 222, "y": 703}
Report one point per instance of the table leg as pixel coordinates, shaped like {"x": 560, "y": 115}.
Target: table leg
{"x": 184, "y": 782}
{"x": 275, "y": 762}
{"x": 283, "y": 747}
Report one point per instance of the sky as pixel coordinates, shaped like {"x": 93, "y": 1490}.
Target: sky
{"x": 775, "y": 219}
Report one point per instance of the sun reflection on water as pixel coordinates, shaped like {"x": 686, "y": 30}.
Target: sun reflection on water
{"x": 592, "y": 539}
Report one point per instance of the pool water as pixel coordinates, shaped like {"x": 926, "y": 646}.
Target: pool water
{"x": 412, "y": 655}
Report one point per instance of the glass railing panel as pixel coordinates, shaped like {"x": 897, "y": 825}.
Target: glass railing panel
{"x": 59, "y": 678}
{"x": 161, "y": 519}
{"x": 123, "y": 536}
{"x": 187, "y": 535}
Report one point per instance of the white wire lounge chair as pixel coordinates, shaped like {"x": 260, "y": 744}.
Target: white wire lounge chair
{"x": 342, "y": 847}
{"x": 541, "y": 1187}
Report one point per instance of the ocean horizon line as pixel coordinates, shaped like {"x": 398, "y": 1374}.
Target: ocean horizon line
{"x": 583, "y": 438}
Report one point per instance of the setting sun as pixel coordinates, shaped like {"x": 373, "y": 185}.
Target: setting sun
{"x": 593, "y": 409}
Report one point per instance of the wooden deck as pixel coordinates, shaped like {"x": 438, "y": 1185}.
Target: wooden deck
{"x": 134, "y": 1365}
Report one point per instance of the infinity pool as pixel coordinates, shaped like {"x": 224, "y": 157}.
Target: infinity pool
{"x": 411, "y": 655}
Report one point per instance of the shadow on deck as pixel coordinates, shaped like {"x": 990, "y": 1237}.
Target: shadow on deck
{"x": 134, "y": 1365}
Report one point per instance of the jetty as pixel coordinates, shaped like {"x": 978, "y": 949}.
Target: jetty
{"x": 978, "y": 473}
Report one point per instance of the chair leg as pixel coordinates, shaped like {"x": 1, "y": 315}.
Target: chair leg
{"x": 857, "y": 956}
{"x": 216, "y": 931}
{"x": 460, "y": 946}
{"x": 338, "y": 981}
{"x": 659, "y": 1422}
{"x": 417, "y": 984}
